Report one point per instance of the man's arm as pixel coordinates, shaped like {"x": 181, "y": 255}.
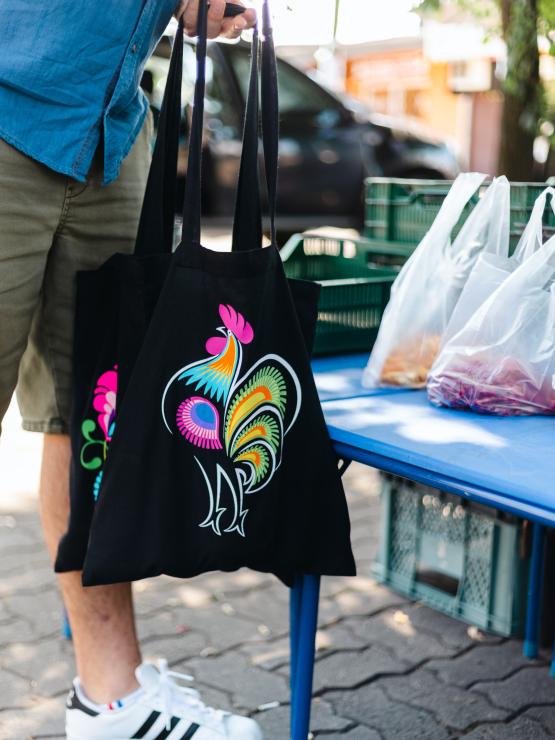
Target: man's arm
{"x": 230, "y": 28}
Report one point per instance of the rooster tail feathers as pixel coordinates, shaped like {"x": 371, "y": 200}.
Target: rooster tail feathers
{"x": 260, "y": 462}
{"x": 266, "y": 424}
{"x": 264, "y": 388}
{"x": 271, "y": 380}
{"x": 262, "y": 407}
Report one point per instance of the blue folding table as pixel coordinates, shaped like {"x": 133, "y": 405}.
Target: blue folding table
{"x": 506, "y": 463}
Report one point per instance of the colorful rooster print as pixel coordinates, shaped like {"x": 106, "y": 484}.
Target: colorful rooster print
{"x": 104, "y": 402}
{"x": 236, "y": 420}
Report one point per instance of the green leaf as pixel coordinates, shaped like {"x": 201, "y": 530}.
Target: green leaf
{"x": 88, "y": 427}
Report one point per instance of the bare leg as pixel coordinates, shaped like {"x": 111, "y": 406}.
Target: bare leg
{"x": 101, "y": 617}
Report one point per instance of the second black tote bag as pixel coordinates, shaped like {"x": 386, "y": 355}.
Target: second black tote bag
{"x": 113, "y": 308}
{"x": 220, "y": 456}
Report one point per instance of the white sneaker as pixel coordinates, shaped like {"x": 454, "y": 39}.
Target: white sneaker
{"x": 162, "y": 710}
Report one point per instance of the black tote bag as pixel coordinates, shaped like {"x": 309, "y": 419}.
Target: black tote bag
{"x": 221, "y": 457}
{"x": 113, "y": 309}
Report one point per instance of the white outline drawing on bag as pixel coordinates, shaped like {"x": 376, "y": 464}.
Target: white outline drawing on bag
{"x": 258, "y": 409}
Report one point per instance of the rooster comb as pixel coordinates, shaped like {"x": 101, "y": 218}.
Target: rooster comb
{"x": 236, "y": 324}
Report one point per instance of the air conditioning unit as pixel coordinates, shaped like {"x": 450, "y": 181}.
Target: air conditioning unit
{"x": 474, "y": 75}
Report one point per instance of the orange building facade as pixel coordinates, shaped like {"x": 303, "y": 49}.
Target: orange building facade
{"x": 455, "y": 100}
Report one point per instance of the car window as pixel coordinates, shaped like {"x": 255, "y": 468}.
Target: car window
{"x": 221, "y": 107}
{"x": 221, "y": 114}
{"x": 297, "y": 92}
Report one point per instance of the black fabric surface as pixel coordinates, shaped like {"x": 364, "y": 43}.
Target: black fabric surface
{"x": 219, "y": 456}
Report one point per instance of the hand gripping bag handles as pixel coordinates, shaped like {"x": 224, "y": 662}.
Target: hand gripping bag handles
{"x": 221, "y": 457}
{"x": 113, "y": 308}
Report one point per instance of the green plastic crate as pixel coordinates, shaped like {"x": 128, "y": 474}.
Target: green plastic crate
{"x": 460, "y": 558}
{"x": 399, "y": 212}
{"x": 302, "y": 247}
{"x": 354, "y": 293}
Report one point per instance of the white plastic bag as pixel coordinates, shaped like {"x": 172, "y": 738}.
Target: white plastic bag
{"x": 493, "y": 267}
{"x": 503, "y": 361}
{"x": 424, "y": 294}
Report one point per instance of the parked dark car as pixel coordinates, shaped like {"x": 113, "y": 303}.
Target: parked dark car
{"x": 328, "y": 144}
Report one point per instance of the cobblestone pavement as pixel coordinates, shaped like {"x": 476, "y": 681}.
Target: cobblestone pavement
{"x": 387, "y": 669}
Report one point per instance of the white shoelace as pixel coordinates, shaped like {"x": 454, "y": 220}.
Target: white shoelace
{"x": 173, "y": 695}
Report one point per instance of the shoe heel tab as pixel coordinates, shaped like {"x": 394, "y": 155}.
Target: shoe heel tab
{"x": 74, "y": 702}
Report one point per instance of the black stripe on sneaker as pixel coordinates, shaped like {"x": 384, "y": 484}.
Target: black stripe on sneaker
{"x": 144, "y": 728}
{"x": 164, "y": 734}
{"x": 190, "y": 732}
{"x": 74, "y": 702}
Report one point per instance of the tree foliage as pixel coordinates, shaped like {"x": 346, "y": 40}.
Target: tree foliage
{"x": 546, "y": 17}
{"x": 519, "y": 22}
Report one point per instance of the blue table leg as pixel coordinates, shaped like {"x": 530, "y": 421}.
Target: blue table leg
{"x": 295, "y": 598}
{"x": 533, "y": 612}
{"x": 304, "y": 668}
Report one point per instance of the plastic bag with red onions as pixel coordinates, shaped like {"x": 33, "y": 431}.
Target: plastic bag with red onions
{"x": 503, "y": 361}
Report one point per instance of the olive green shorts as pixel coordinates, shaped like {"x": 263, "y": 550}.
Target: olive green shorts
{"x": 51, "y": 226}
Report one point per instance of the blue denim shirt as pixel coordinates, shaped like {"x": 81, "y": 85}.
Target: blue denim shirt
{"x": 70, "y": 71}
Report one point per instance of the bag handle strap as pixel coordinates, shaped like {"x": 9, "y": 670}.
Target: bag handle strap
{"x": 270, "y": 115}
{"x": 247, "y": 219}
{"x": 192, "y": 203}
{"x": 247, "y": 229}
{"x": 532, "y": 236}
{"x": 487, "y": 226}
{"x": 247, "y": 225}
{"x": 158, "y": 209}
